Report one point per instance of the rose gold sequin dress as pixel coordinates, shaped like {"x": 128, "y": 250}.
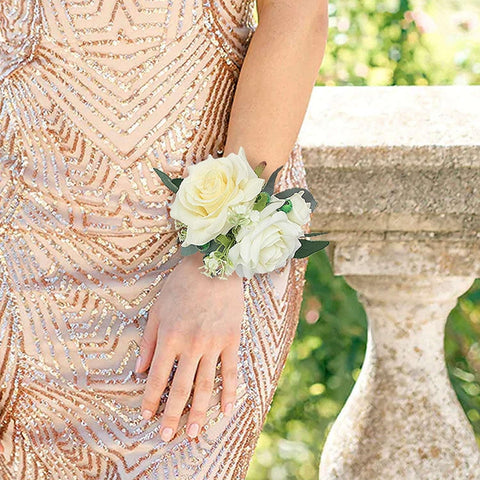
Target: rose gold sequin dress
{"x": 93, "y": 95}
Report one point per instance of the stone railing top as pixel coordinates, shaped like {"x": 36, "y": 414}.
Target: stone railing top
{"x": 398, "y": 118}
{"x": 397, "y": 165}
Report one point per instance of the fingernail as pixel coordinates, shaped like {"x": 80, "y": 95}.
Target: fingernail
{"x": 192, "y": 430}
{"x": 147, "y": 414}
{"x": 167, "y": 434}
{"x": 228, "y": 408}
{"x": 137, "y": 364}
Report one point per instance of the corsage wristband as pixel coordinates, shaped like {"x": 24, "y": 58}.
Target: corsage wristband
{"x": 226, "y": 211}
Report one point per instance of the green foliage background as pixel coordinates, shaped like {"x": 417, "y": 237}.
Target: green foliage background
{"x": 390, "y": 42}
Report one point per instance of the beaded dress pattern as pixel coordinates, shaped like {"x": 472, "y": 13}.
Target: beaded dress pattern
{"x": 93, "y": 95}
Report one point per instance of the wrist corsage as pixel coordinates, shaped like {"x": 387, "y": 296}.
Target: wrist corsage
{"x": 226, "y": 211}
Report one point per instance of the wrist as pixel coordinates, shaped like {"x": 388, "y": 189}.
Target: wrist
{"x": 195, "y": 258}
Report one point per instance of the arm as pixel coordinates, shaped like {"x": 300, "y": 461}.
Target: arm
{"x": 276, "y": 80}
{"x": 270, "y": 101}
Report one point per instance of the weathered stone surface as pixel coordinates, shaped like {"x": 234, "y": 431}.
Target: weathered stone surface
{"x": 419, "y": 257}
{"x": 394, "y": 158}
{"x": 402, "y": 419}
{"x": 396, "y": 173}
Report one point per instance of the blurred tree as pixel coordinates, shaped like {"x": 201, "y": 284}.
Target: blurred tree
{"x": 373, "y": 42}
{"x": 402, "y": 42}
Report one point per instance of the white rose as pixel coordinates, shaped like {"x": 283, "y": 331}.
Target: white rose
{"x": 300, "y": 212}
{"x": 266, "y": 243}
{"x": 205, "y": 196}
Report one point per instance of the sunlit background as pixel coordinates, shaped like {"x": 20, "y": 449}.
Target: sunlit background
{"x": 371, "y": 42}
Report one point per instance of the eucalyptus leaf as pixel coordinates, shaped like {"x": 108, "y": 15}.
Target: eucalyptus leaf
{"x": 189, "y": 250}
{"x": 213, "y": 246}
{"x": 313, "y": 234}
{"x": 289, "y": 192}
{"x": 307, "y": 196}
{"x": 177, "y": 181}
{"x": 166, "y": 180}
{"x": 270, "y": 185}
{"x": 309, "y": 247}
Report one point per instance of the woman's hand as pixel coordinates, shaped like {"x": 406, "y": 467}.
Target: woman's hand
{"x": 197, "y": 319}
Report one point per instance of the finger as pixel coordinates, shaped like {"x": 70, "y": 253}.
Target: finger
{"x": 229, "y": 369}
{"x": 158, "y": 375}
{"x": 1, "y": 448}
{"x": 148, "y": 342}
{"x": 179, "y": 392}
{"x": 204, "y": 382}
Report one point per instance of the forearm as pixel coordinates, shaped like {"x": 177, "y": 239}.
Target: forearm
{"x": 276, "y": 80}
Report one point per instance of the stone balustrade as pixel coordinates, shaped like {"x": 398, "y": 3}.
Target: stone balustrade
{"x": 396, "y": 173}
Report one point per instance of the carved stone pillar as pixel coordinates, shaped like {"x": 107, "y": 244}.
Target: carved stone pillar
{"x": 402, "y": 419}
{"x": 396, "y": 172}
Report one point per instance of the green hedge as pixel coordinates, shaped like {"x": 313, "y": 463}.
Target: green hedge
{"x": 370, "y": 43}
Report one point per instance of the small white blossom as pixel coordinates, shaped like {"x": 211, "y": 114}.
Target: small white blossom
{"x": 212, "y": 263}
{"x": 182, "y": 230}
{"x": 240, "y": 214}
{"x": 216, "y": 266}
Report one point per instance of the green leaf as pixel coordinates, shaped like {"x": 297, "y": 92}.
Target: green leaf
{"x": 166, "y": 180}
{"x": 310, "y": 247}
{"x": 223, "y": 240}
{"x": 307, "y": 196}
{"x": 270, "y": 185}
{"x": 261, "y": 201}
{"x": 177, "y": 181}
{"x": 288, "y": 192}
{"x": 205, "y": 246}
{"x": 190, "y": 250}
{"x": 260, "y": 168}
{"x": 213, "y": 246}
{"x": 313, "y": 234}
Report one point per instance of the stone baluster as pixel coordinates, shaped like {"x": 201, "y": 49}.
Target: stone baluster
{"x": 396, "y": 172}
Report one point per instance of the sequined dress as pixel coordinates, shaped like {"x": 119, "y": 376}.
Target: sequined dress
{"x": 93, "y": 95}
